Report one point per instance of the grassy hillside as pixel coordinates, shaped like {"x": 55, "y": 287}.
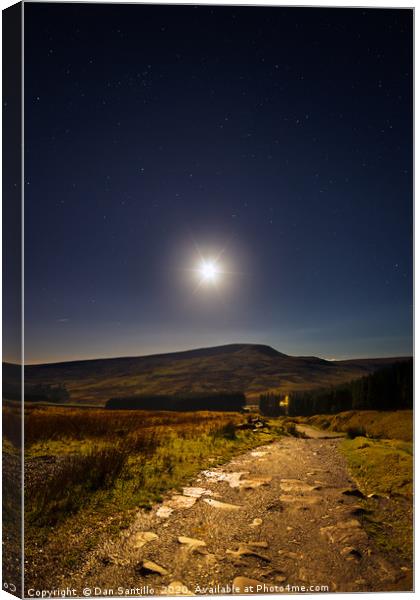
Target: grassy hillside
{"x": 247, "y": 367}
{"x": 383, "y": 469}
{"x": 396, "y": 425}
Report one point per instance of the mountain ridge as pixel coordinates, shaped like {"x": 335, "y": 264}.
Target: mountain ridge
{"x": 236, "y": 346}
{"x": 251, "y": 368}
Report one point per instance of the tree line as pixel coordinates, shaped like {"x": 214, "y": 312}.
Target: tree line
{"x": 224, "y": 401}
{"x": 390, "y": 388}
{"x": 46, "y": 392}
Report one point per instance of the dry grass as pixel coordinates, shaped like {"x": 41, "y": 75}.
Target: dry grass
{"x": 89, "y": 470}
{"x": 57, "y": 423}
{"x": 91, "y": 450}
{"x": 396, "y": 425}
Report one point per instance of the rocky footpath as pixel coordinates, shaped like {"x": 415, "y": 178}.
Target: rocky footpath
{"x": 281, "y": 518}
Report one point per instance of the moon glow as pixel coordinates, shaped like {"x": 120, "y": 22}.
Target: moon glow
{"x": 208, "y": 271}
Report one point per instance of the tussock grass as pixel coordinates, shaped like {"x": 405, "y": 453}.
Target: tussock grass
{"x": 57, "y": 423}
{"x": 372, "y": 423}
{"x": 135, "y": 454}
{"x": 68, "y": 488}
{"x": 385, "y": 468}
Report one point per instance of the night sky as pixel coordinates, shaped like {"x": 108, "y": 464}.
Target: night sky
{"x": 277, "y": 138}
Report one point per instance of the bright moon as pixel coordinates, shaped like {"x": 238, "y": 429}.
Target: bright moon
{"x": 208, "y": 271}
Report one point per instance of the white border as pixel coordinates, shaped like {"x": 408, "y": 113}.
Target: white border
{"x": 291, "y": 3}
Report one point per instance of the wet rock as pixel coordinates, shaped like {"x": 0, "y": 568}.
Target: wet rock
{"x": 258, "y": 453}
{"x": 252, "y": 484}
{"x": 231, "y": 478}
{"x": 163, "y": 512}
{"x": 148, "y": 567}
{"x": 142, "y": 538}
{"x": 222, "y": 505}
{"x": 196, "y": 492}
{"x": 299, "y": 500}
{"x": 179, "y": 502}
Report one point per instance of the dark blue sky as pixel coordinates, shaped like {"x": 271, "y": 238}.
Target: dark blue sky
{"x": 281, "y": 136}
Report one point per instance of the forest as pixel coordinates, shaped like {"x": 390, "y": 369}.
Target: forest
{"x": 223, "y": 401}
{"x": 390, "y": 388}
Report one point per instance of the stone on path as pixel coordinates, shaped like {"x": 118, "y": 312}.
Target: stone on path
{"x": 178, "y": 501}
{"x": 232, "y": 478}
{"x": 244, "y": 585}
{"x": 290, "y": 555}
{"x": 140, "y": 539}
{"x": 252, "y": 484}
{"x": 256, "y": 523}
{"x": 249, "y": 549}
{"x": 177, "y": 588}
{"x": 163, "y": 512}
{"x": 301, "y": 499}
{"x": 191, "y": 543}
{"x": 297, "y": 486}
{"x": 348, "y": 532}
{"x": 196, "y": 492}
{"x": 221, "y": 505}
{"x": 149, "y": 566}
{"x": 256, "y": 544}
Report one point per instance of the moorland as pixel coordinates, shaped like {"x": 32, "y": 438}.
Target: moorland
{"x": 251, "y": 368}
